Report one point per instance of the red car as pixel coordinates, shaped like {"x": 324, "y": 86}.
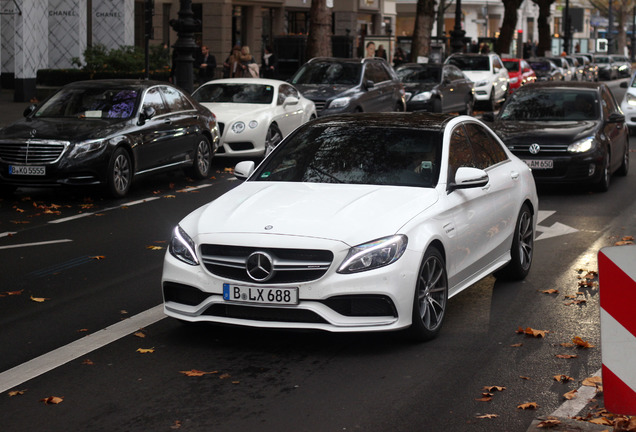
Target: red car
{"x": 520, "y": 73}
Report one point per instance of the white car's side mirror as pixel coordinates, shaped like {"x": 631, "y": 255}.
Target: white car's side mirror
{"x": 244, "y": 169}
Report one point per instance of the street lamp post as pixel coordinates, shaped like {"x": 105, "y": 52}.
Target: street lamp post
{"x": 457, "y": 35}
{"x": 185, "y": 47}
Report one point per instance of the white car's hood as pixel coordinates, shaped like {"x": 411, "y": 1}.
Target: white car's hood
{"x": 476, "y": 76}
{"x": 350, "y": 213}
{"x": 228, "y": 112}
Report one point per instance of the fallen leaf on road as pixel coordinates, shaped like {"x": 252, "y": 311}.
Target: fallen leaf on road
{"x": 176, "y": 425}
{"x": 154, "y": 247}
{"x": 88, "y": 362}
{"x": 145, "y": 350}
{"x": 484, "y": 399}
{"x": 140, "y": 334}
{"x": 197, "y": 373}
{"x": 16, "y": 393}
{"x": 550, "y": 291}
{"x": 563, "y": 378}
{"x": 566, "y": 356}
{"x": 39, "y": 299}
{"x": 517, "y": 345}
{"x": 52, "y": 400}
{"x": 524, "y": 378}
{"x": 550, "y": 423}
{"x": 224, "y": 376}
{"x": 533, "y": 332}
{"x": 493, "y": 388}
{"x": 601, "y": 421}
{"x": 98, "y": 257}
{"x": 594, "y": 381}
{"x": 529, "y": 405}
{"x": 12, "y": 293}
{"x": 487, "y": 416}
{"x": 570, "y": 395}
{"x": 580, "y": 342}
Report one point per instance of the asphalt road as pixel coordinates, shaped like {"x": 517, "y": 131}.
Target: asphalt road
{"x": 96, "y": 266}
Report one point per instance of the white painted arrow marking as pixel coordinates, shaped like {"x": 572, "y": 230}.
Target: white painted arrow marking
{"x": 555, "y": 230}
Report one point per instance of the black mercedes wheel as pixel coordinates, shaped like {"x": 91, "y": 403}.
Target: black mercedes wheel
{"x": 120, "y": 173}
{"x": 202, "y": 159}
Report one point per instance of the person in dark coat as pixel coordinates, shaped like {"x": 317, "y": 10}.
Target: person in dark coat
{"x": 269, "y": 66}
{"x": 206, "y": 64}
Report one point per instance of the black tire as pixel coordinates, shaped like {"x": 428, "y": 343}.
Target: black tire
{"x": 437, "y": 105}
{"x": 469, "y": 106}
{"x": 120, "y": 173}
{"x": 522, "y": 249}
{"x": 202, "y": 162}
{"x": 273, "y": 138}
{"x": 624, "y": 168}
{"x": 606, "y": 175}
{"x": 430, "y": 298}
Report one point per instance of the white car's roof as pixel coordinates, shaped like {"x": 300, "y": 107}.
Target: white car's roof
{"x": 264, "y": 81}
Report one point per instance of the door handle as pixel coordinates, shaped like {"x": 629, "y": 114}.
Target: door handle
{"x": 514, "y": 175}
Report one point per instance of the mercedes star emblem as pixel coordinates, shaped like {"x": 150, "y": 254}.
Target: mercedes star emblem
{"x": 259, "y": 266}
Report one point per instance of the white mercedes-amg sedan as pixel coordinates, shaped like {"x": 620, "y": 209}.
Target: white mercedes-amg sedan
{"x": 356, "y": 223}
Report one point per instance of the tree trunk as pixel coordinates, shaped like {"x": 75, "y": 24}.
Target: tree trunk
{"x": 424, "y": 19}
{"x": 508, "y": 27}
{"x": 621, "y": 37}
{"x": 545, "y": 37}
{"x": 319, "y": 37}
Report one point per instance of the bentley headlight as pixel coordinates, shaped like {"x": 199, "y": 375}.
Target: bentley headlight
{"x": 253, "y": 124}
{"x": 339, "y": 103}
{"x": 375, "y": 254}
{"x": 81, "y": 149}
{"x": 238, "y": 127}
{"x": 182, "y": 247}
{"x": 582, "y": 146}
{"x": 630, "y": 99}
{"x": 422, "y": 96}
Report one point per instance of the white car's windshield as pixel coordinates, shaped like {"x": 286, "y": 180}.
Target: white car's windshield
{"x": 235, "y": 93}
{"x": 552, "y": 105}
{"x": 90, "y": 103}
{"x": 356, "y": 155}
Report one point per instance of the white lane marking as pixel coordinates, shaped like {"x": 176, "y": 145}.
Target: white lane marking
{"x": 573, "y": 407}
{"x": 81, "y": 215}
{"x": 8, "y": 233}
{"x": 49, "y": 361}
{"x": 36, "y": 244}
{"x": 193, "y": 188}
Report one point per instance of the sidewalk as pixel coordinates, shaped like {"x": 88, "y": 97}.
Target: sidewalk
{"x": 10, "y": 111}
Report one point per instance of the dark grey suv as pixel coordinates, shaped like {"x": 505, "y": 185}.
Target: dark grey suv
{"x": 340, "y": 85}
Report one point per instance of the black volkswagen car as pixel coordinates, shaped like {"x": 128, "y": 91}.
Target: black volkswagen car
{"x": 567, "y": 132}
{"x": 106, "y": 132}
{"x": 436, "y": 88}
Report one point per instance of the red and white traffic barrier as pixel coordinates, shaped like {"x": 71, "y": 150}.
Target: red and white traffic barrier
{"x": 617, "y": 279}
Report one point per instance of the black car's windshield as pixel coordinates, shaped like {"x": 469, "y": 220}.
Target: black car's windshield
{"x": 470, "y": 63}
{"x": 356, "y": 155}
{"x": 602, "y": 59}
{"x": 541, "y": 66}
{"x": 425, "y": 75}
{"x": 329, "y": 73}
{"x": 235, "y": 93}
{"x": 552, "y": 105}
{"x": 511, "y": 66}
{"x": 90, "y": 103}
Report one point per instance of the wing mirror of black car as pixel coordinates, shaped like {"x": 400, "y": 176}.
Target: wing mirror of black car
{"x": 488, "y": 116}
{"x": 147, "y": 114}
{"x": 624, "y": 84}
{"x": 468, "y": 177}
{"x": 616, "y": 118}
{"x": 368, "y": 84}
{"x": 291, "y": 100}
{"x": 244, "y": 169}
{"x": 29, "y": 110}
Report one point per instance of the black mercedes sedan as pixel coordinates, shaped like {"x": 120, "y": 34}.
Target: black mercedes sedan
{"x": 567, "y": 132}
{"x": 107, "y": 132}
{"x": 436, "y": 88}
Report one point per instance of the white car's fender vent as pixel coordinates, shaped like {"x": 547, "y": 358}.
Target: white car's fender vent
{"x": 362, "y": 305}
{"x": 286, "y": 266}
{"x": 183, "y": 294}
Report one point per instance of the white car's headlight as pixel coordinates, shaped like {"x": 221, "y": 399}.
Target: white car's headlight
{"x": 374, "y": 254}
{"x": 582, "y": 146}
{"x": 182, "y": 247}
{"x": 630, "y": 99}
{"x": 238, "y": 127}
{"x": 422, "y": 96}
{"x": 82, "y": 148}
{"x": 339, "y": 103}
{"x": 253, "y": 124}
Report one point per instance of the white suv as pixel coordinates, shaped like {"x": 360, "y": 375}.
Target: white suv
{"x": 488, "y": 73}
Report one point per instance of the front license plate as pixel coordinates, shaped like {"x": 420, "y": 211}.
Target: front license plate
{"x": 261, "y": 295}
{"x": 27, "y": 170}
{"x": 540, "y": 163}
